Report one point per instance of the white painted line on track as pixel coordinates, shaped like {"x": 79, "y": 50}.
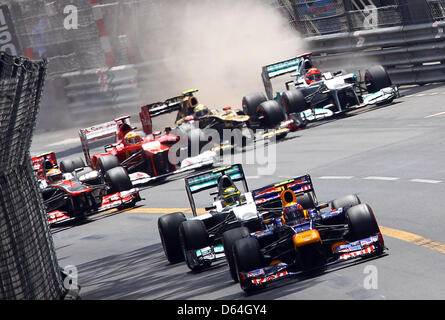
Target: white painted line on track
{"x": 336, "y": 177}
{"x": 382, "y": 178}
{"x": 426, "y": 181}
{"x": 434, "y": 115}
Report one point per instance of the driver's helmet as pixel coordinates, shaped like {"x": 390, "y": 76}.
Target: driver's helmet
{"x": 132, "y": 138}
{"x": 54, "y": 175}
{"x": 231, "y": 196}
{"x": 313, "y": 75}
{"x": 200, "y": 111}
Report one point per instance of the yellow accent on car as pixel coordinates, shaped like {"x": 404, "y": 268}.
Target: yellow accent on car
{"x": 305, "y": 238}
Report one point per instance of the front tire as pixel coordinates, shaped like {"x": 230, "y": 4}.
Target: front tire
{"x": 194, "y": 236}
{"x": 271, "y": 114}
{"x": 229, "y": 239}
{"x": 293, "y": 101}
{"x": 361, "y": 221}
{"x": 377, "y": 78}
{"x": 247, "y": 255}
{"x": 118, "y": 180}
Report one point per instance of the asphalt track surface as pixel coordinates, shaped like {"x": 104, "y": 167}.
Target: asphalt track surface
{"x": 392, "y": 157}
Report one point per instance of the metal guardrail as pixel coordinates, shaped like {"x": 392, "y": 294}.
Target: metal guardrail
{"x": 28, "y": 264}
{"x": 412, "y": 54}
{"x": 95, "y": 92}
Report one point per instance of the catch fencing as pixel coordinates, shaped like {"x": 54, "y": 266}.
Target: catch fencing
{"x": 28, "y": 264}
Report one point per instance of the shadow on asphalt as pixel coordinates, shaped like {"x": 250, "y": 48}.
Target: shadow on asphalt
{"x": 145, "y": 274}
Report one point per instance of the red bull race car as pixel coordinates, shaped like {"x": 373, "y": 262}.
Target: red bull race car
{"x": 74, "y": 195}
{"x": 300, "y": 237}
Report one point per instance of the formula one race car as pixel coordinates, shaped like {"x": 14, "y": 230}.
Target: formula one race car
{"x": 199, "y": 124}
{"x": 146, "y": 158}
{"x": 74, "y": 195}
{"x": 199, "y": 240}
{"x": 300, "y": 237}
{"x": 314, "y": 95}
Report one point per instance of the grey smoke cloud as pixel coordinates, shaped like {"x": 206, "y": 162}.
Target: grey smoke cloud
{"x": 217, "y": 47}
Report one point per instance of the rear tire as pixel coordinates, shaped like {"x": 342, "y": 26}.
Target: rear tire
{"x": 168, "y": 227}
{"x": 251, "y": 102}
{"x": 377, "y": 78}
{"x": 306, "y": 201}
{"x": 107, "y": 162}
{"x": 229, "y": 239}
{"x": 71, "y": 164}
{"x": 118, "y": 180}
{"x": 346, "y": 201}
{"x": 361, "y": 222}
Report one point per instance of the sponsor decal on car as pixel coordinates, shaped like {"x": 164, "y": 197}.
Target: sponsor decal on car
{"x": 264, "y": 280}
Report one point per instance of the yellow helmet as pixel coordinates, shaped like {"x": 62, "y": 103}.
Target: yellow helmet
{"x": 200, "y": 111}
{"x": 54, "y": 175}
{"x": 132, "y": 138}
{"x": 231, "y": 196}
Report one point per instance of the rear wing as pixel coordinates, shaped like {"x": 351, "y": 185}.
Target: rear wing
{"x": 96, "y": 132}
{"x": 209, "y": 180}
{"x": 279, "y": 69}
{"x": 270, "y": 194}
{"x": 178, "y": 103}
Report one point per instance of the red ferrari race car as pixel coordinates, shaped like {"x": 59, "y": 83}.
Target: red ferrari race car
{"x": 74, "y": 195}
{"x": 146, "y": 158}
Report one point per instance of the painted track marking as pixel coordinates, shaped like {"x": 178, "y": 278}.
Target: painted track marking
{"x": 382, "y": 178}
{"x": 426, "y": 181}
{"x": 413, "y": 238}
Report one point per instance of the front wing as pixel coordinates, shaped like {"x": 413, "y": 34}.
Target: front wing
{"x": 260, "y": 278}
{"x": 203, "y": 160}
{"x": 116, "y": 200}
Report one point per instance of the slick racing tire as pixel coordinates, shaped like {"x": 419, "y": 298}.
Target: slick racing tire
{"x": 271, "y": 112}
{"x": 251, "y": 102}
{"x": 377, "y": 78}
{"x": 361, "y": 222}
{"x": 107, "y": 162}
{"x": 346, "y": 201}
{"x": 118, "y": 180}
{"x": 229, "y": 239}
{"x": 293, "y": 101}
{"x": 168, "y": 227}
{"x": 247, "y": 255}
{"x": 194, "y": 234}
{"x": 306, "y": 200}
{"x": 70, "y": 165}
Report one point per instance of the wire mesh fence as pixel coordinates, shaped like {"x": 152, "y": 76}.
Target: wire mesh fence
{"x": 28, "y": 264}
